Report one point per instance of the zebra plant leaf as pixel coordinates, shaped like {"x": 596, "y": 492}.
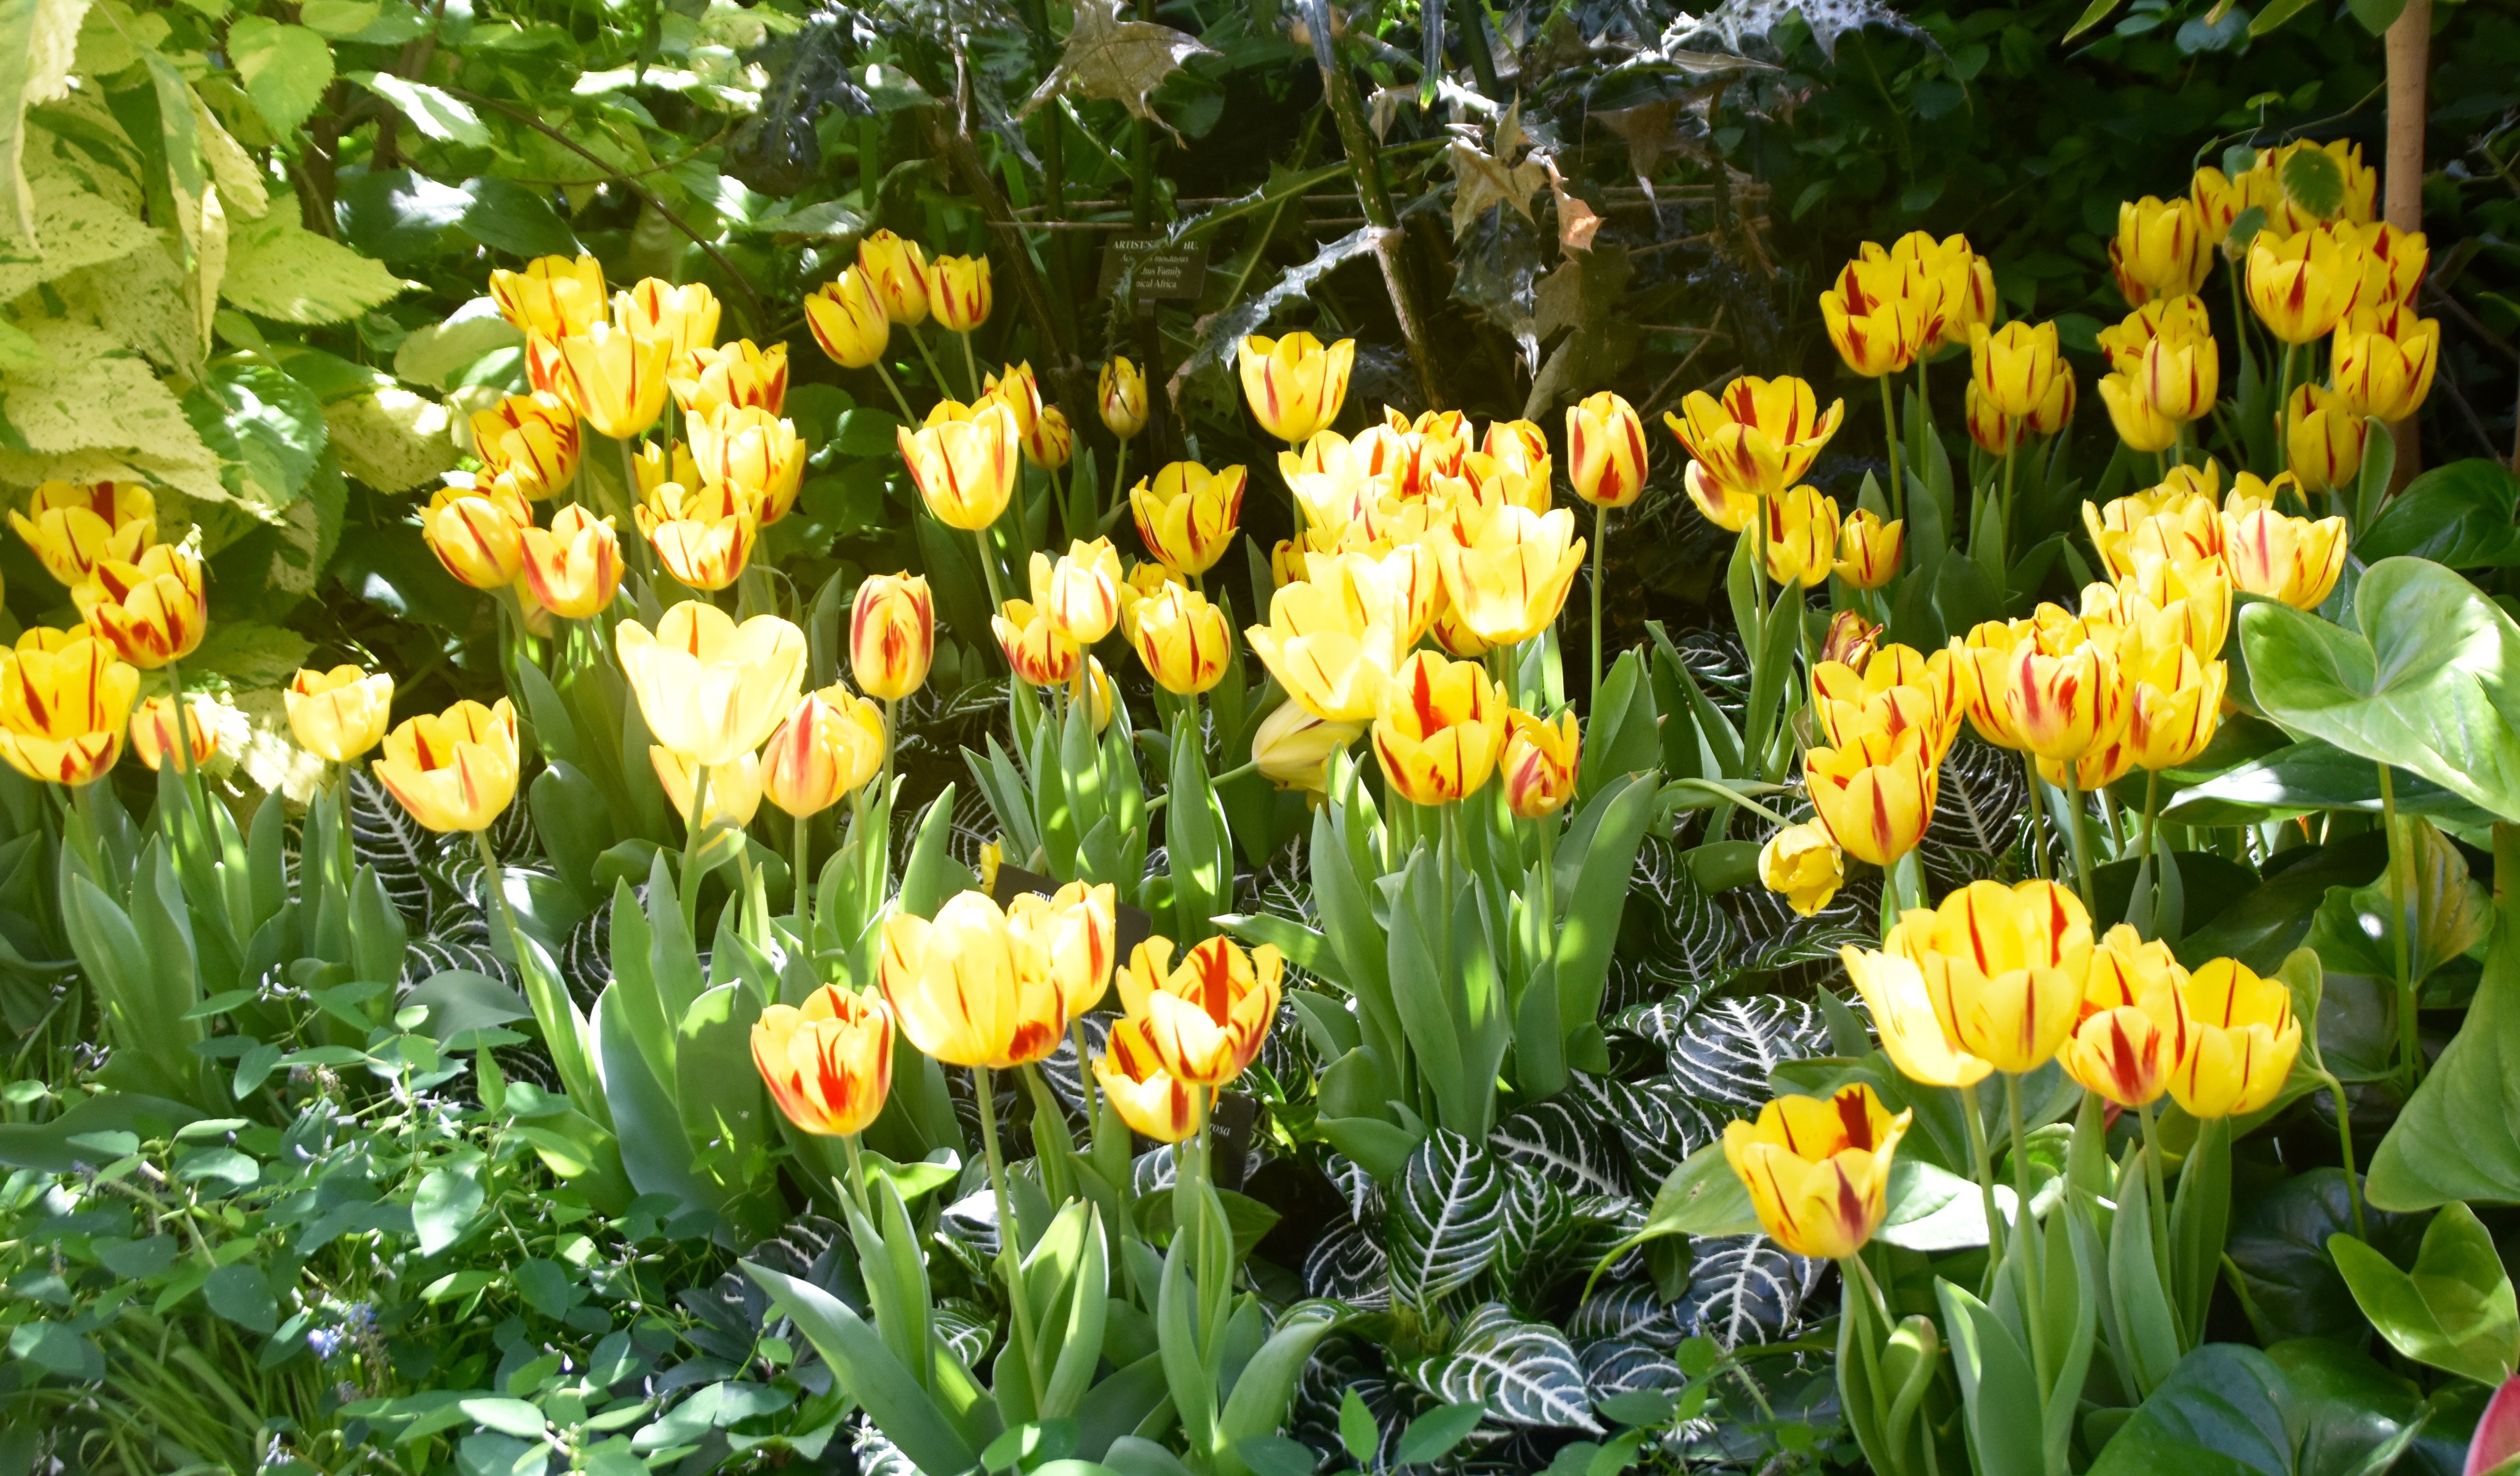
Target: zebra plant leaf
{"x": 1558, "y": 1140}
{"x": 1631, "y": 1314}
{"x": 383, "y": 835}
{"x": 1728, "y": 1046}
{"x": 1613, "y": 1366}
{"x": 1524, "y": 1372}
{"x": 1684, "y": 940}
{"x": 1981, "y": 794}
{"x": 1348, "y": 1266}
{"x": 1744, "y": 1290}
{"x": 1657, "y": 1123}
{"x": 1451, "y": 1217}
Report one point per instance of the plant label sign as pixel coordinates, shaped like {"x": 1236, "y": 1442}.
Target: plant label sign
{"x": 1145, "y": 269}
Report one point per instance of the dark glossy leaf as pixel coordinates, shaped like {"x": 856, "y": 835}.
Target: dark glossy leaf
{"x": 1523, "y": 1372}
{"x": 2458, "y": 1138}
{"x": 2269, "y": 923}
{"x": 2278, "y": 1252}
{"x": 2304, "y": 778}
{"x": 2458, "y": 515}
{"x": 1560, "y": 1141}
{"x": 1744, "y": 1289}
{"x": 1449, "y": 1219}
{"x": 2218, "y": 1414}
{"x": 1727, "y": 1048}
{"x": 2454, "y": 1310}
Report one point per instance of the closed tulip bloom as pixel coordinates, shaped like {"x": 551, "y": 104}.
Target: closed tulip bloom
{"x": 734, "y": 787}
{"x": 1538, "y": 763}
{"x": 966, "y": 990}
{"x": 1120, "y": 398}
{"x": 959, "y": 292}
{"x": 892, "y": 634}
{"x": 1441, "y": 727}
{"x": 2063, "y": 696}
{"x": 2180, "y": 380}
{"x": 70, "y": 527}
{"x": 684, "y": 316}
{"x": 532, "y": 437}
{"x": 151, "y": 611}
{"x": 478, "y": 532}
{"x": 1605, "y": 450}
{"x": 1817, "y": 1169}
{"x": 1727, "y": 507}
{"x": 1509, "y": 582}
{"x": 829, "y": 1064}
{"x": 553, "y": 296}
{"x": 1869, "y": 549}
{"x": 2003, "y": 966}
{"x": 340, "y": 713}
{"x": 1295, "y": 387}
{"x": 1292, "y": 748}
{"x": 1802, "y": 536}
{"x": 2393, "y": 265}
{"x": 2175, "y": 704}
{"x": 1327, "y": 662}
{"x": 2301, "y": 287}
{"x": 709, "y": 688}
{"x": 2242, "y": 1041}
{"x": 703, "y": 535}
{"x": 2173, "y": 320}
{"x": 1759, "y": 437}
{"x": 573, "y": 568}
{"x": 1187, "y": 516}
{"x": 897, "y": 270}
{"x": 1074, "y": 933}
{"x": 1052, "y": 441}
{"x": 827, "y": 749}
{"x": 753, "y": 449}
{"x": 2014, "y": 365}
{"x": 1149, "y": 1098}
{"x": 2385, "y": 358}
{"x": 1898, "y": 691}
{"x": 848, "y": 319}
{"x": 2056, "y": 410}
{"x": 1080, "y": 592}
{"x": 616, "y": 378}
{"x": 1870, "y": 320}
{"x": 1802, "y": 864}
{"x": 2177, "y": 522}
{"x": 1912, "y": 1031}
{"x": 2160, "y": 249}
{"x": 2166, "y": 603}
{"x": 2324, "y": 435}
{"x": 963, "y": 462}
{"x": 1995, "y": 431}
{"x": 2293, "y": 560}
{"x": 2219, "y": 201}
{"x": 742, "y": 374}
{"x": 1851, "y": 640}
{"x": 2139, "y": 422}
{"x": 1517, "y": 445}
{"x": 2134, "y": 1022}
{"x": 1207, "y": 1014}
{"x": 453, "y": 771}
{"x": 1988, "y": 648}
{"x": 1874, "y": 793}
{"x": 64, "y": 700}
{"x": 1951, "y": 286}
{"x": 1183, "y": 639}
{"x": 1144, "y": 581}
{"x": 152, "y": 731}
{"x": 1035, "y": 650}
{"x": 1020, "y": 391}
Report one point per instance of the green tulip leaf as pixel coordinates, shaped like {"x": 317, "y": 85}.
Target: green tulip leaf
{"x": 2459, "y": 1136}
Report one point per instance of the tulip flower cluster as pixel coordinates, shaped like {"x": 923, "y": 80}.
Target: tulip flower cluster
{"x": 1890, "y": 307}
{"x": 1189, "y": 1028}
{"x": 1883, "y": 719}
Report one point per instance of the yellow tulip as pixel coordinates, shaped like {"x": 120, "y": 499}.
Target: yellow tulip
{"x": 2242, "y": 1040}
{"x": 2160, "y": 249}
{"x": 685, "y": 316}
{"x": 1803, "y": 864}
{"x": 2177, "y": 523}
{"x": 1080, "y": 592}
{"x": 1149, "y": 1098}
{"x": 546, "y": 371}
{"x": 2139, "y": 422}
{"x": 1510, "y": 582}
{"x": 1869, "y": 549}
{"x": 2323, "y": 437}
{"x": 616, "y": 378}
{"x": 959, "y": 292}
{"x": 2384, "y": 363}
{"x": 653, "y": 468}
{"x": 2175, "y": 706}
{"x": 149, "y": 611}
{"x": 1727, "y": 507}
{"x": 574, "y": 567}
{"x": 1995, "y": 431}
{"x": 742, "y": 375}
{"x": 2180, "y": 380}
{"x": 1094, "y": 689}
{"x": 1912, "y": 1031}
{"x": 1897, "y": 690}
{"x": 827, "y": 1065}
{"x": 64, "y": 700}
{"x": 2168, "y": 320}
{"x": 1187, "y": 515}
{"x": 1294, "y": 385}
{"x": 2055, "y": 411}
{"x": 1760, "y": 437}
{"x": 70, "y": 527}
{"x": 711, "y": 689}
{"x": 2003, "y": 967}
{"x": 154, "y": 731}
{"x": 897, "y": 271}
{"x": 478, "y": 532}
{"x": 829, "y": 747}
{"x": 2064, "y": 697}
{"x": 892, "y": 634}
{"x": 2393, "y": 265}
{"x": 1075, "y": 934}
{"x": 1605, "y": 450}
{"x": 1292, "y": 748}
{"x": 1035, "y": 650}
{"x": 1206, "y": 1015}
{"x": 2219, "y": 201}
{"x": 848, "y": 319}
{"x": 1538, "y": 763}
{"x": 2168, "y": 604}
{"x": 2301, "y": 287}
{"x": 1850, "y": 641}
{"x": 2293, "y": 560}
{"x": 1801, "y": 536}
{"x": 1874, "y": 793}
{"x": 703, "y": 535}
{"x": 453, "y": 771}
{"x": 1051, "y": 442}
{"x": 340, "y": 713}
{"x": 1817, "y": 1169}
{"x": 2014, "y": 366}
{"x": 754, "y": 450}
{"x": 2133, "y": 1023}
{"x": 1440, "y": 729}
{"x": 1144, "y": 581}
{"x": 1324, "y": 659}
{"x": 1870, "y": 320}
{"x": 963, "y": 462}
{"x": 970, "y": 989}
{"x": 1951, "y": 284}
{"x": 1120, "y": 399}
{"x": 1521, "y": 447}
{"x": 1183, "y": 639}
{"x": 553, "y": 296}
{"x": 533, "y": 437}
{"x": 734, "y": 787}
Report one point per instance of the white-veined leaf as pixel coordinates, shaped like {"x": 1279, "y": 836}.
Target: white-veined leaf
{"x": 1450, "y": 1220}
{"x": 1744, "y": 1289}
{"x": 1728, "y": 1046}
{"x": 1524, "y": 1372}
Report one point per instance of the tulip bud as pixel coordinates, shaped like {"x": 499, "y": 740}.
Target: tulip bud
{"x": 1538, "y": 763}
{"x": 753, "y": 449}
{"x": 830, "y": 747}
{"x": 2056, "y": 410}
{"x": 2241, "y": 1043}
{"x": 154, "y": 731}
{"x": 2062, "y": 694}
{"x": 1868, "y": 551}
{"x": 2179, "y": 378}
{"x": 963, "y": 462}
{"x": 532, "y": 437}
{"x": 1183, "y": 639}
{"x": 1035, "y": 650}
{"x": 2141, "y": 426}
{"x": 1144, "y": 581}
{"x": 573, "y": 568}
{"x": 1817, "y": 1169}
{"x": 1292, "y": 748}
{"x": 453, "y": 771}
{"x": 1850, "y": 639}
{"x": 1294, "y": 385}
{"x": 1051, "y": 442}
{"x": 1995, "y": 431}
{"x": 1081, "y": 592}
{"x": 703, "y": 536}
{"x": 72, "y": 526}
{"x": 1725, "y": 506}
{"x": 2393, "y": 265}
{"x": 1802, "y": 864}
{"x": 897, "y": 271}
{"x": 151, "y": 611}
{"x": 1120, "y": 399}
{"x": 340, "y": 713}
{"x": 969, "y": 992}
{"x": 959, "y": 293}
{"x": 848, "y": 319}
{"x": 1605, "y": 450}
{"x": 2160, "y": 249}
{"x": 827, "y": 1065}
{"x": 1324, "y": 657}
{"x": 2014, "y": 366}
{"x": 63, "y": 702}
{"x": 2323, "y": 436}
{"x": 616, "y": 379}
{"x": 892, "y": 634}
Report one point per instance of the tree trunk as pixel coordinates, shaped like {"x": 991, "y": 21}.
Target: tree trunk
{"x": 2401, "y": 172}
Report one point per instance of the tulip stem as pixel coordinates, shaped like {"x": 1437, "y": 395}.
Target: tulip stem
{"x": 630, "y": 500}
{"x": 857, "y": 1176}
{"x": 2038, "y": 817}
{"x": 804, "y": 888}
{"x": 2033, "y": 1281}
{"x": 1890, "y": 434}
{"x": 1982, "y": 1163}
{"x": 1120, "y": 479}
{"x": 1227, "y": 777}
{"x": 943, "y": 390}
{"x": 692, "y": 824}
{"x": 970, "y": 366}
{"x": 2345, "y": 1146}
{"x": 2283, "y": 392}
{"x": 899, "y": 400}
{"x": 1600, "y": 545}
{"x": 2401, "y": 893}
{"x": 891, "y": 742}
{"x": 2160, "y": 1207}
{"x": 2145, "y": 842}
{"x": 1085, "y": 1076}
{"x": 1010, "y": 1235}
{"x": 2003, "y": 529}
{"x": 989, "y": 569}
{"x": 2078, "y": 837}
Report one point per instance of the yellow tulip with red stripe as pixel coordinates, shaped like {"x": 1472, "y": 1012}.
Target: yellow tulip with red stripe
{"x": 2171, "y": 320}
{"x": 1759, "y": 437}
{"x": 1995, "y": 431}
{"x": 2242, "y": 1040}
{"x": 70, "y": 527}
{"x": 2160, "y": 249}
{"x": 2003, "y": 966}
{"x": 452, "y": 770}
{"x": 1605, "y": 450}
{"x": 897, "y": 271}
{"x": 711, "y": 689}
{"x": 1292, "y": 748}
{"x": 64, "y": 700}
{"x": 2014, "y": 366}
{"x": 754, "y": 450}
{"x": 829, "y": 1063}
{"x": 2139, "y": 422}
{"x": 1801, "y": 536}
{"x": 1510, "y": 580}
{"x": 1873, "y": 792}
{"x": 2301, "y": 285}
{"x": 1869, "y": 549}
{"x": 556, "y": 296}
{"x": 1120, "y": 398}
{"x": 2323, "y": 436}
{"x": 154, "y": 731}
{"x": 742, "y": 374}
{"x": 2181, "y": 380}
{"x": 2132, "y": 1027}
{"x": 1869, "y": 318}
{"x": 1817, "y": 1169}
{"x": 1802, "y": 864}
{"x": 1912, "y": 1031}
{"x": 827, "y": 749}
{"x": 2056, "y": 410}
{"x": 1899, "y": 690}
{"x": 2167, "y": 604}
{"x": 959, "y": 292}
{"x": 1035, "y": 650}
{"x": 1075, "y": 934}
{"x": 2062, "y": 694}
{"x": 1080, "y": 592}
{"x": 968, "y": 991}
{"x": 734, "y": 787}
{"x": 2294, "y": 560}
{"x": 1521, "y": 448}
{"x": 892, "y": 634}
{"x": 1540, "y": 763}
{"x": 533, "y": 437}
{"x": 1182, "y": 638}
{"x": 848, "y": 319}
{"x": 340, "y": 713}
{"x": 1441, "y": 727}
{"x": 1327, "y": 659}
{"x": 963, "y": 461}
{"x": 478, "y": 532}
{"x": 151, "y": 611}
{"x": 616, "y": 378}
{"x": 685, "y": 315}
{"x": 573, "y": 568}
{"x": 1150, "y": 1099}
{"x": 2384, "y": 362}
{"x": 703, "y": 535}
{"x": 1206, "y": 1015}
{"x": 1187, "y": 515}
{"x": 1295, "y": 387}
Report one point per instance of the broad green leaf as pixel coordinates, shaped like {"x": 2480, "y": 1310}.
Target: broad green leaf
{"x": 1433, "y": 1435}
{"x": 280, "y": 269}
{"x": 1999, "y": 1388}
{"x": 2454, "y": 1310}
{"x": 2458, "y": 515}
{"x": 2459, "y": 1136}
{"x": 242, "y": 1294}
{"x": 285, "y": 68}
{"x": 506, "y": 217}
{"x": 444, "y": 1207}
{"x": 430, "y": 110}
{"x": 906, "y": 1412}
{"x": 2306, "y": 777}
{"x": 2219, "y": 1413}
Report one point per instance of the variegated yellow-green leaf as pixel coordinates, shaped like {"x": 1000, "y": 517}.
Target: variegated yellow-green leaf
{"x": 42, "y": 39}
{"x": 279, "y": 269}
{"x": 394, "y": 441}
